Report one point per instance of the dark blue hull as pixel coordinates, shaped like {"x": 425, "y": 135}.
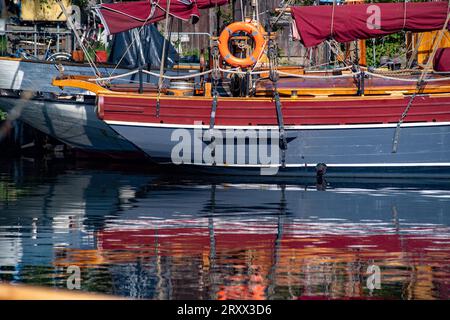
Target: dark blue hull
{"x": 347, "y": 151}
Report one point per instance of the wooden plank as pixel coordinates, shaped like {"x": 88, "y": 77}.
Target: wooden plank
{"x": 22, "y": 292}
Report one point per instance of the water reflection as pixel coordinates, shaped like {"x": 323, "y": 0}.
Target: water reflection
{"x": 153, "y": 235}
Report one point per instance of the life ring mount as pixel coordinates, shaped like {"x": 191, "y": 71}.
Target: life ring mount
{"x": 255, "y": 31}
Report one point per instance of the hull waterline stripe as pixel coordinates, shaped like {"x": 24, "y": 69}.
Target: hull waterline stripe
{"x": 331, "y": 165}
{"x": 287, "y": 127}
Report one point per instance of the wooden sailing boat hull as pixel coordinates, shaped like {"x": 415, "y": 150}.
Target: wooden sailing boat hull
{"x": 353, "y": 136}
{"x": 75, "y": 124}
{"x": 364, "y": 150}
{"x": 18, "y": 74}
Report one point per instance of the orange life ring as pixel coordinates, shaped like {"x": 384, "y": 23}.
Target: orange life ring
{"x": 257, "y": 33}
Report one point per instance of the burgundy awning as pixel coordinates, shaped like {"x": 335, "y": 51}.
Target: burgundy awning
{"x": 206, "y": 4}
{"x": 123, "y": 16}
{"x": 346, "y": 23}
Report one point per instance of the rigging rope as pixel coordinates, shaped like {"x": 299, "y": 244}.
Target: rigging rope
{"x": 405, "y": 79}
{"x": 404, "y": 14}
{"x": 189, "y": 76}
{"x": 283, "y": 11}
{"x": 119, "y": 76}
{"x": 163, "y": 58}
{"x": 216, "y": 68}
{"x": 420, "y": 82}
{"x": 77, "y": 36}
{"x": 332, "y": 18}
{"x": 283, "y": 73}
{"x": 350, "y": 75}
{"x": 314, "y": 69}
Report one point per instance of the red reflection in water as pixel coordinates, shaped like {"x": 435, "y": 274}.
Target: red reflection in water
{"x": 289, "y": 260}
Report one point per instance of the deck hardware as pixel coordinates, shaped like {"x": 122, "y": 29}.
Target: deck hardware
{"x": 163, "y": 58}
{"x": 141, "y": 81}
{"x": 283, "y": 140}
{"x": 274, "y": 76}
{"x": 321, "y": 170}
{"x": 361, "y": 83}
{"x": 215, "y": 76}
{"x": 213, "y": 122}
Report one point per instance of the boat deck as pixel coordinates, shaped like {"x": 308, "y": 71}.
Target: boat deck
{"x": 373, "y": 85}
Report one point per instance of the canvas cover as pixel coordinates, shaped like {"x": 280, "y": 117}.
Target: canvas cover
{"x": 345, "y": 23}
{"x": 442, "y": 60}
{"x": 123, "y": 16}
{"x": 137, "y": 48}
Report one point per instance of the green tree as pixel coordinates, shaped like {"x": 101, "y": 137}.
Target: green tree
{"x": 390, "y": 46}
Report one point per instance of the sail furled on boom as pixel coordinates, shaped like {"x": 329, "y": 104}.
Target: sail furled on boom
{"x": 123, "y": 16}
{"x": 345, "y": 23}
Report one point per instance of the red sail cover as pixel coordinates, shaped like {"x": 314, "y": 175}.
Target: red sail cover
{"x": 442, "y": 60}
{"x": 123, "y": 16}
{"x": 346, "y": 23}
{"x": 206, "y": 4}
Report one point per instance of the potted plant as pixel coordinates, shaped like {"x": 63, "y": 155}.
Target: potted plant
{"x": 78, "y": 55}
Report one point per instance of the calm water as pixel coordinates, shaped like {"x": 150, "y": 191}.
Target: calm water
{"x": 150, "y": 235}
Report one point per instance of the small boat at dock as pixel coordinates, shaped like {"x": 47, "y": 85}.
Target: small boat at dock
{"x": 69, "y": 114}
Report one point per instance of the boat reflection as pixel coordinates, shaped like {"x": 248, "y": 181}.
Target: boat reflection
{"x": 153, "y": 236}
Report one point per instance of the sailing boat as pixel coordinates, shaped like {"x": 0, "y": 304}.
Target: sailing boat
{"x": 348, "y": 122}
{"x": 69, "y": 115}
